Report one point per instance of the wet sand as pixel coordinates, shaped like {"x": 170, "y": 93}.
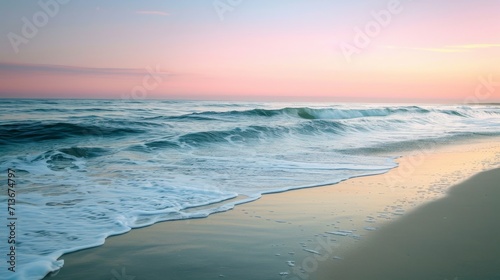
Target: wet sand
{"x": 300, "y": 234}
{"x": 456, "y": 237}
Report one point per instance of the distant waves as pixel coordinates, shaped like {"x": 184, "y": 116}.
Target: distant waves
{"x": 92, "y": 168}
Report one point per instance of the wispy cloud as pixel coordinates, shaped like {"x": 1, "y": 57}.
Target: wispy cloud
{"x": 157, "y": 13}
{"x": 442, "y": 50}
{"x": 74, "y": 70}
{"x": 450, "y": 49}
{"x": 476, "y": 46}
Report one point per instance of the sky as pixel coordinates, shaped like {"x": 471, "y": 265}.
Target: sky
{"x": 300, "y": 50}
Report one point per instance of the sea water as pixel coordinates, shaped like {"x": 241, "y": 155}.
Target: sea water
{"x": 88, "y": 169}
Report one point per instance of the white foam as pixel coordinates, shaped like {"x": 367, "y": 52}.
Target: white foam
{"x": 75, "y": 205}
{"x": 339, "y": 233}
{"x": 311, "y": 251}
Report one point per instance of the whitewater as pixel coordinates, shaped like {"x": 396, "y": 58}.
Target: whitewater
{"x": 89, "y": 169}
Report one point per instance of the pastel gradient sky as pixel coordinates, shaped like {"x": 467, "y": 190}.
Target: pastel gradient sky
{"x": 310, "y": 50}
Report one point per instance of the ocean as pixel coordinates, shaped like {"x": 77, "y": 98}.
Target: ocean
{"x": 89, "y": 169}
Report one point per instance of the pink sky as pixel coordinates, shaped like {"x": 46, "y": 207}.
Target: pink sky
{"x": 426, "y": 51}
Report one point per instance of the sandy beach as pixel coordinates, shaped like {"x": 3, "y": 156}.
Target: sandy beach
{"x": 371, "y": 225}
{"x": 452, "y": 238}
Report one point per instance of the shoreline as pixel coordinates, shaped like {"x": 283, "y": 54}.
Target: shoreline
{"x": 263, "y": 234}
{"x": 450, "y": 238}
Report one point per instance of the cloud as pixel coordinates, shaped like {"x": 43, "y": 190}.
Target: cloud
{"x": 450, "y": 49}
{"x": 476, "y": 46}
{"x": 157, "y": 13}
{"x": 73, "y": 70}
{"x": 443, "y": 50}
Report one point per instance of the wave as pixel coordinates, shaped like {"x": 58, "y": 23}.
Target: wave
{"x": 262, "y": 133}
{"x": 153, "y": 160}
{"x": 25, "y": 132}
{"x": 422, "y": 145}
{"x": 161, "y": 144}
{"x": 309, "y": 113}
{"x": 309, "y": 122}
{"x": 85, "y": 152}
{"x": 232, "y": 136}
{"x": 318, "y": 113}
